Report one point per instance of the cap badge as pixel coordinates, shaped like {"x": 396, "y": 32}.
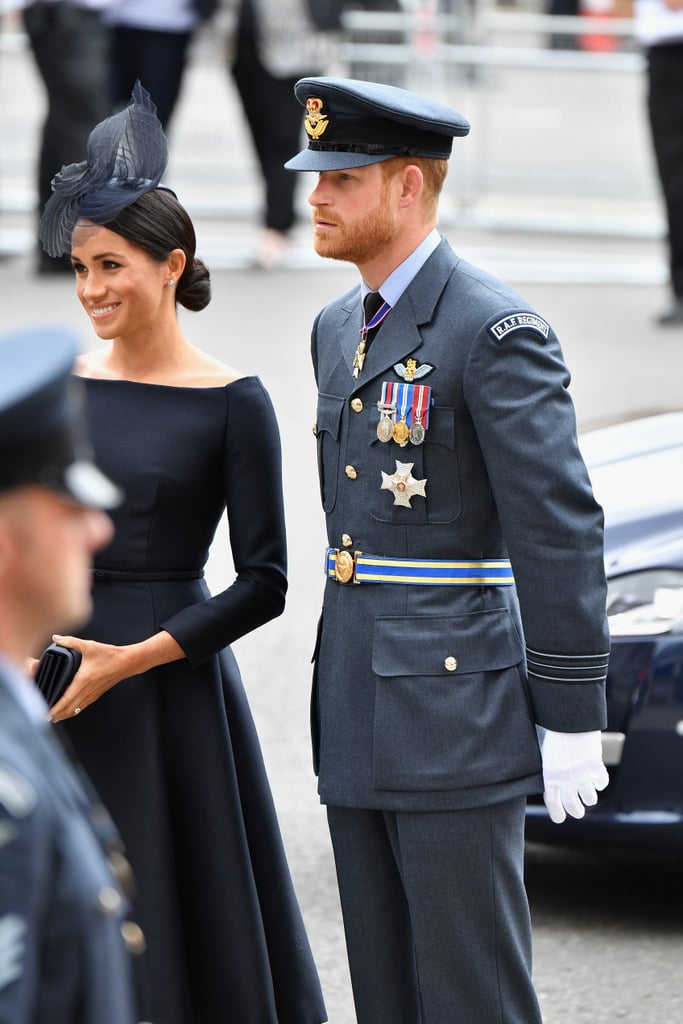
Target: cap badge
{"x": 315, "y": 121}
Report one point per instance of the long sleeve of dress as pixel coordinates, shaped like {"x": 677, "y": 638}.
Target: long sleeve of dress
{"x": 252, "y": 482}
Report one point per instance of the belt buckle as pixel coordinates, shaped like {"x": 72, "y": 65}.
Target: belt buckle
{"x": 345, "y": 566}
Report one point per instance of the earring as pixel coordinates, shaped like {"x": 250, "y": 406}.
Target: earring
{"x": 170, "y": 283}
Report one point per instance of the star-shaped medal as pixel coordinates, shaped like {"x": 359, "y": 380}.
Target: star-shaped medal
{"x": 403, "y": 484}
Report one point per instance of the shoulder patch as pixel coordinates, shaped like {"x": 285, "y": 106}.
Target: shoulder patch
{"x": 519, "y": 322}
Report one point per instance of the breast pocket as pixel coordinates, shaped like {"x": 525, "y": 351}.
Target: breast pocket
{"x": 451, "y": 703}
{"x": 328, "y": 424}
{"x": 436, "y": 461}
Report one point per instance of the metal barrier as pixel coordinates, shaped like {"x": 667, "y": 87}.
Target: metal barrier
{"x": 559, "y": 136}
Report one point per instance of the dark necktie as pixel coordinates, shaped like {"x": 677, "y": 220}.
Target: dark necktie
{"x": 372, "y": 303}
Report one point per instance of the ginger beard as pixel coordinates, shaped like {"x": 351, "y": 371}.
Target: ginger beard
{"x": 357, "y": 241}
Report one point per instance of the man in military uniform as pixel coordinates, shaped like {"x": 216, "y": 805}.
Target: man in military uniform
{"x": 463, "y": 645}
{"x": 63, "y": 933}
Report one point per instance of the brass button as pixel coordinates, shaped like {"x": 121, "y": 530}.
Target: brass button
{"x": 450, "y": 664}
{"x": 315, "y": 430}
{"x": 108, "y": 900}
{"x": 133, "y": 937}
{"x": 346, "y": 540}
{"x": 350, "y": 472}
{"x": 357, "y": 404}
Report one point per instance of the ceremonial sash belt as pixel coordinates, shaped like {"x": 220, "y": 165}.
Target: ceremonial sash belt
{"x": 357, "y": 567}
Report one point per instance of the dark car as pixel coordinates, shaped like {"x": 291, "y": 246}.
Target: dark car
{"x": 637, "y": 472}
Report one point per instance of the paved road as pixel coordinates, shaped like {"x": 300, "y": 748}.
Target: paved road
{"x": 608, "y": 941}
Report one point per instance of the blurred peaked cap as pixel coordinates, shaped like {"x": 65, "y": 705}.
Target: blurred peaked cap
{"x": 43, "y": 432}
{"x": 350, "y": 123}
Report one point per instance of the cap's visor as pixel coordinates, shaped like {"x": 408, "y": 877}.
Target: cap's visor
{"x": 333, "y": 160}
{"x": 86, "y": 484}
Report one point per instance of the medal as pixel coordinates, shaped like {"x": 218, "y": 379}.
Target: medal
{"x": 401, "y": 429}
{"x": 403, "y": 484}
{"x": 417, "y": 433}
{"x": 359, "y": 358}
{"x": 375, "y": 321}
{"x": 401, "y": 433}
{"x": 385, "y": 425}
{"x": 404, "y": 412}
{"x": 420, "y": 398}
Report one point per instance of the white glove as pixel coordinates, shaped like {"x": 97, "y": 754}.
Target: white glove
{"x": 573, "y": 772}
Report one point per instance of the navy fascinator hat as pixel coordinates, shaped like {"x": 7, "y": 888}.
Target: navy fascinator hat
{"x": 127, "y": 154}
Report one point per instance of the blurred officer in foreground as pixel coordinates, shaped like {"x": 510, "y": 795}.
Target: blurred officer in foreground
{"x": 63, "y": 955}
{"x": 465, "y": 596}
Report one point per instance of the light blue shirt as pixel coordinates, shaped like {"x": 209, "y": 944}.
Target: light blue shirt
{"x": 393, "y": 288}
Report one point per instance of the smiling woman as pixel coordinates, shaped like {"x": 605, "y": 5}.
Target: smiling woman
{"x": 121, "y": 287}
{"x": 157, "y": 711}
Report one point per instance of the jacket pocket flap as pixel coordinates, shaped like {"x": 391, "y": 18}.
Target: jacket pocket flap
{"x": 440, "y": 645}
{"x": 329, "y": 414}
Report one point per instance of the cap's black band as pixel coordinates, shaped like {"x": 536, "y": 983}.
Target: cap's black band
{"x": 371, "y": 149}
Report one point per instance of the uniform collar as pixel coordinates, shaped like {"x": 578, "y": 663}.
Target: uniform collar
{"x": 393, "y": 288}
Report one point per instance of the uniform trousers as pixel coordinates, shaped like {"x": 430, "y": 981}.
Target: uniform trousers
{"x": 273, "y": 115}
{"x": 665, "y": 110}
{"x": 157, "y": 58}
{"x": 436, "y": 915}
{"x": 70, "y": 47}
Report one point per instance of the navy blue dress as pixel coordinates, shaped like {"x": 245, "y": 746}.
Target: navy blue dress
{"x": 173, "y": 753}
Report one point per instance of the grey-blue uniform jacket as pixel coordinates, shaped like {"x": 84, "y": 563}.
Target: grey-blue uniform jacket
{"x": 62, "y": 954}
{"x": 426, "y": 697}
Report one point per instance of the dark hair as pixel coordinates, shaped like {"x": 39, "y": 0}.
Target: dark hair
{"x": 157, "y": 223}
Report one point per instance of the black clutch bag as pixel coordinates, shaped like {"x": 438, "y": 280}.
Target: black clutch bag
{"x": 56, "y": 668}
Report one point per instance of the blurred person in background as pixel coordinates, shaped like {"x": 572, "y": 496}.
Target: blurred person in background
{"x": 563, "y": 8}
{"x": 150, "y": 40}
{"x": 276, "y": 42}
{"x": 70, "y": 45}
{"x": 659, "y": 29}
{"x": 64, "y": 939}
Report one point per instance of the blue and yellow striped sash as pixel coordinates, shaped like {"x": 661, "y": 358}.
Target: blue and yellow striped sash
{"x": 367, "y": 568}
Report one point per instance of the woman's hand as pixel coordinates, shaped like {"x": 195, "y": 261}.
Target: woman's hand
{"x": 104, "y": 665}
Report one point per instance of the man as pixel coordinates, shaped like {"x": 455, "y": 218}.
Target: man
{"x": 63, "y": 933}
{"x": 460, "y": 520}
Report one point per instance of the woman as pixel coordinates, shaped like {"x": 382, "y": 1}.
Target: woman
{"x": 157, "y": 712}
